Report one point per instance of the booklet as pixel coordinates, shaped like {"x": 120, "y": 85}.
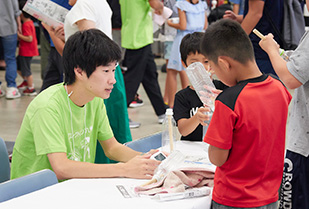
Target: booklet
{"x": 46, "y": 11}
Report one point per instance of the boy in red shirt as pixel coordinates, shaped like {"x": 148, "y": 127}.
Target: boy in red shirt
{"x": 27, "y": 49}
{"x": 247, "y": 130}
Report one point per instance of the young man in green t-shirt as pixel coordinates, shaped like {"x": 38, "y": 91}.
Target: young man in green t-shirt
{"x": 62, "y": 124}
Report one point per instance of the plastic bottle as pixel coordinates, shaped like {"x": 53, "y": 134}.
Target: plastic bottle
{"x": 169, "y": 132}
{"x": 285, "y": 54}
{"x": 202, "y": 83}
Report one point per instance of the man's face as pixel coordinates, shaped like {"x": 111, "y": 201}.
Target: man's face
{"x": 197, "y": 57}
{"x": 100, "y": 82}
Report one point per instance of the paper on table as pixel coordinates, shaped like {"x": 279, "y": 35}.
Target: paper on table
{"x": 160, "y": 19}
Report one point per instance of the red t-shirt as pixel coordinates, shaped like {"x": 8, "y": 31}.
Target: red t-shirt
{"x": 250, "y": 120}
{"x": 28, "y": 49}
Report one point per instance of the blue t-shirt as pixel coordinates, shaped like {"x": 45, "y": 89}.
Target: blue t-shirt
{"x": 65, "y": 4}
{"x": 275, "y": 10}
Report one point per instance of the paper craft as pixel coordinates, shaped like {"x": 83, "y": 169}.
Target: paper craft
{"x": 46, "y": 11}
{"x": 160, "y": 19}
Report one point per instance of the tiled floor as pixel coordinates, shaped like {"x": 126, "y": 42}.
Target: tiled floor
{"x": 12, "y": 111}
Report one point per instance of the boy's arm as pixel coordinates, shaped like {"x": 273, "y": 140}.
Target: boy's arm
{"x": 24, "y": 38}
{"x": 217, "y": 156}
{"x": 279, "y": 64}
{"x": 187, "y": 125}
{"x": 135, "y": 166}
{"x": 255, "y": 12}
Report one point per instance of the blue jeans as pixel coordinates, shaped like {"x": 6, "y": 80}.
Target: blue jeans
{"x": 9, "y": 48}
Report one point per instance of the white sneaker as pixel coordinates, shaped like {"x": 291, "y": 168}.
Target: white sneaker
{"x": 12, "y": 93}
{"x": 161, "y": 118}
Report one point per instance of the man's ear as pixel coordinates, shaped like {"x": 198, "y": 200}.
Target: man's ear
{"x": 184, "y": 64}
{"x": 78, "y": 72}
{"x": 224, "y": 63}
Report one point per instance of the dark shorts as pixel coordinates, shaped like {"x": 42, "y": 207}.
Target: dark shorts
{"x": 294, "y": 193}
{"x": 23, "y": 64}
{"x": 215, "y": 205}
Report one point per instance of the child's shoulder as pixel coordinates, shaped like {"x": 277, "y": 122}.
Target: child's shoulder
{"x": 187, "y": 6}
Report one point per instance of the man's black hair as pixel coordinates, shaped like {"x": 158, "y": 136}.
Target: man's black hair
{"x": 227, "y": 38}
{"x": 190, "y": 44}
{"x": 21, "y": 6}
{"x": 87, "y": 50}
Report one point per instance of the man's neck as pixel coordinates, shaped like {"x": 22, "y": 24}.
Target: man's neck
{"x": 78, "y": 96}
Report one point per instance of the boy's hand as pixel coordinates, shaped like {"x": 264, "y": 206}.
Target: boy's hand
{"x": 269, "y": 45}
{"x": 202, "y": 115}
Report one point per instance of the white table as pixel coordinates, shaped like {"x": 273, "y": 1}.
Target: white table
{"x": 103, "y": 193}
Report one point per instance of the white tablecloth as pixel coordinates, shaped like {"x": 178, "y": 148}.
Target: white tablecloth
{"x": 103, "y": 193}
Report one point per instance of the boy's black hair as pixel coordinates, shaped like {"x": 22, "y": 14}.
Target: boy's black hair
{"x": 21, "y": 6}
{"x": 227, "y": 38}
{"x": 190, "y": 43}
{"x": 87, "y": 50}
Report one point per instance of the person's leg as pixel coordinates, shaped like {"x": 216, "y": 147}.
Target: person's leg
{"x": 295, "y": 184}
{"x": 151, "y": 84}
{"x": 171, "y": 85}
{"x": 54, "y": 71}
{"x": 44, "y": 52}
{"x": 136, "y": 62}
{"x": 2, "y": 62}
{"x": 24, "y": 84}
{"x": 9, "y": 47}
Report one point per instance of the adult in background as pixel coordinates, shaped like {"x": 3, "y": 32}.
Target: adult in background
{"x": 136, "y": 38}
{"x": 9, "y": 24}
{"x": 260, "y": 14}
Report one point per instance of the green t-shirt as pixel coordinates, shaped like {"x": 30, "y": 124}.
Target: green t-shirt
{"x": 53, "y": 123}
{"x": 136, "y": 29}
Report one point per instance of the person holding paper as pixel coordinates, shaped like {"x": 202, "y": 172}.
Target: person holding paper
{"x": 63, "y": 123}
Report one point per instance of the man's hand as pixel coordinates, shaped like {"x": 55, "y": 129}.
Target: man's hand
{"x": 141, "y": 166}
{"x": 59, "y": 32}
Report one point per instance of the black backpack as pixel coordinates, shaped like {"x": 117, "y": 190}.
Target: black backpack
{"x": 293, "y": 27}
